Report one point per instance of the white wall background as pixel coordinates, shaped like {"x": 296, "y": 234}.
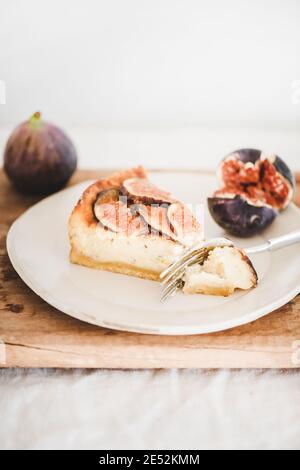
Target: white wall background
{"x": 153, "y": 71}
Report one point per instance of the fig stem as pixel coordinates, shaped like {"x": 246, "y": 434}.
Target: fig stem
{"x": 35, "y": 120}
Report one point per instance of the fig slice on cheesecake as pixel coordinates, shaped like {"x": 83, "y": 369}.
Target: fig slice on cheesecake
{"x": 140, "y": 190}
{"x": 156, "y": 217}
{"x": 126, "y": 224}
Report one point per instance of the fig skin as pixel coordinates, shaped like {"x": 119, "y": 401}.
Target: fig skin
{"x": 239, "y": 218}
{"x": 285, "y": 171}
{"x": 246, "y": 155}
{"x": 39, "y": 157}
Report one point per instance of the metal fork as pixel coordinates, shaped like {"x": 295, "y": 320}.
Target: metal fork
{"x": 172, "y": 278}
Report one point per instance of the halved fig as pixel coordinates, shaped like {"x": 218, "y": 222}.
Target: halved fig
{"x": 141, "y": 191}
{"x": 116, "y": 217}
{"x": 156, "y": 217}
{"x": 255, "y": 187}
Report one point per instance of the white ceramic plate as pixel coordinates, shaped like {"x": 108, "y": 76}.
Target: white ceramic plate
{"x": 38, "y": 247}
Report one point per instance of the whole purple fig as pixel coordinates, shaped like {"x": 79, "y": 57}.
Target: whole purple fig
{"x": 39, "y": 157}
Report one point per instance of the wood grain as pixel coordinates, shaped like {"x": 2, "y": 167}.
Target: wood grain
{"x": 34, "y": 334}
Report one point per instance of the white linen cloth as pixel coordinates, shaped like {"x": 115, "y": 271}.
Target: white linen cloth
{"x": 188, "y": 409}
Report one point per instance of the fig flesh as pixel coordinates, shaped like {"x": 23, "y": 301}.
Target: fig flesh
{"x": 157, "y": 219}
{"x": 117, "y": 217}
{"x": 175, "y": 221}
{"x": 255, "y": 188}
{"x": 182, "y": 220}
{"x": 121, "y": 211}
{"x": 141, "y": 191}
{"x": 39, "y": 157}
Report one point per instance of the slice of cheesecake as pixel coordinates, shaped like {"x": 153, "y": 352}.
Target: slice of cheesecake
{"x": 127, "y": 225}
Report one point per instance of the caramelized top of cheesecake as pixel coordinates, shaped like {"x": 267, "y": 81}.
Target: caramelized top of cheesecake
{"x": 128, "y": 204}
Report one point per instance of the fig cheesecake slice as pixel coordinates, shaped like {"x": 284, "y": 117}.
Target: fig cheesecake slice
{"x": 125, "y": 224}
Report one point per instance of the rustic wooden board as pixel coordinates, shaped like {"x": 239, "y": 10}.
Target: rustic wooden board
{"x": 34, "y": 334}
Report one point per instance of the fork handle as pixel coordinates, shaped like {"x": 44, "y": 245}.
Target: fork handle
{"x": 275, "y": 244}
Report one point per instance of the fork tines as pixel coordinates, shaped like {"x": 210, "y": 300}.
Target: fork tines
{"x": 172, "y": 277}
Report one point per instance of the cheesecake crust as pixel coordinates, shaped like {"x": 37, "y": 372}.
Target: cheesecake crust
{"x": 210, "y": 290}
{"x": 121, "y": 268}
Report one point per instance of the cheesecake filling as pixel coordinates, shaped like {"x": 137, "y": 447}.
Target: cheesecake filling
{"x": 151, "y": 253}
